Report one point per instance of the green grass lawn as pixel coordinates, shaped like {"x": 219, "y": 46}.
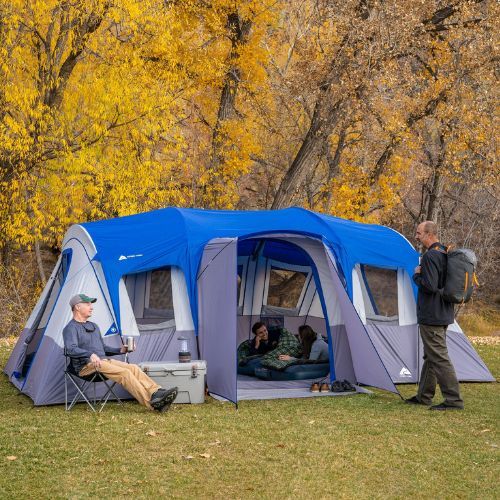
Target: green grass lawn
{"x": 345, "y": 447}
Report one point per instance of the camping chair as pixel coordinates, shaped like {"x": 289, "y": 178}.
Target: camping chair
{"x": 83, "y": 384}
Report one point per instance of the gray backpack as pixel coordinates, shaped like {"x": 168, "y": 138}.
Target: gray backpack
{"x": 460, "y": 276}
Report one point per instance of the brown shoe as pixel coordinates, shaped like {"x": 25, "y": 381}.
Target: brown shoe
{"x": 315, "y": 387}
{"x": 324, "y": 388}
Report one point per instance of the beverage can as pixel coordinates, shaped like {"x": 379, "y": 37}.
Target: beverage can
{"x": 130, "y": 344}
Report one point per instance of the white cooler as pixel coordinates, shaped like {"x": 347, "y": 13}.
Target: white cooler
{"x": 189, "y": 378}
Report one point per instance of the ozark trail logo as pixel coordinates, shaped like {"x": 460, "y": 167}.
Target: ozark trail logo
{"x": 405, "y": 372}
{"x": 125, "y": 257}
{"x": 112, "y": 330}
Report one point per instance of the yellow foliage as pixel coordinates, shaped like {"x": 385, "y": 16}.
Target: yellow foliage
{"x": 107, "y": 109}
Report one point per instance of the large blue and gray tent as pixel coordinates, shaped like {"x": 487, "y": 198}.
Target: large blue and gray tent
{"x": 209, "y": 275}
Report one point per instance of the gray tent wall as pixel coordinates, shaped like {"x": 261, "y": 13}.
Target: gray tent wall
{"x": 468, "y": 365}
{"x": 368, "y": 365}
{"x": 18, "y": 356}
{"x": 398, "y": 342}
{"x": 395, "y": 337}
{"x": 401, "y": 349}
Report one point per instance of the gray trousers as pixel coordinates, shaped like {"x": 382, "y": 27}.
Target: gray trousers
{"x": 437, "y": 368}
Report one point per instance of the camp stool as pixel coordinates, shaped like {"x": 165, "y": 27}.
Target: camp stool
{"x": 83, "y": 384}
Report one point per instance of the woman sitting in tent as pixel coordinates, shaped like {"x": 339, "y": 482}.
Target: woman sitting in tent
{"x": 314, "y": 348}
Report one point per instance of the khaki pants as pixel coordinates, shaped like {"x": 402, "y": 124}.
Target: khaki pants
{"x": 437, "y": 368}
{"x": 130, "y": 376}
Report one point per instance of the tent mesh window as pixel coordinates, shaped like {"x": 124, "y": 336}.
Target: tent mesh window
{"x": 381, "y": 303}
{"x": 160, "y": 291}
{"x": 150, "y": 295}
{"x": 285, "y": 287}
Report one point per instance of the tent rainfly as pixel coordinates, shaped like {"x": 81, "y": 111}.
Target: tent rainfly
{"x": 208, "y": 275}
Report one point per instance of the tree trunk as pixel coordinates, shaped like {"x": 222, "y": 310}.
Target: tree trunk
{"x": 434, "y": 199}
{"x": 322, "y": 124}
{"x": 436, "y": 182}
{"x": 239, "y": 31}
{"x": 39, "y": 262}
{"x": 334, "y": 162}
{"x": 428, "y": 110}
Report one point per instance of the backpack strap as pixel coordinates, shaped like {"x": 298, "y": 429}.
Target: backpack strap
{"x": 475, "y": 280}
{"x": 439, "y": 248}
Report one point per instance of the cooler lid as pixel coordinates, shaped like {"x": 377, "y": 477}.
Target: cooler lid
{"x": 167, "y": 366}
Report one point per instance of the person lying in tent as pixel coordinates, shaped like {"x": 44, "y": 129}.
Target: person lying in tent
{"x": 266, "y": 345}
{"x": 311, "y": 362}
{"x": 314, "y": 348}
{"x": 85, "y": 347}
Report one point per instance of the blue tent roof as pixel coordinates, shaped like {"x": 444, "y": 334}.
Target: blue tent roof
{"x": 177, "y": 237}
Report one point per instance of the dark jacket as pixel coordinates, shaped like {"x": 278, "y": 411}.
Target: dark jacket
{"x": 81, "y": 340}
{"x": 273, "y": 338}
{"x": 432, "y": 309}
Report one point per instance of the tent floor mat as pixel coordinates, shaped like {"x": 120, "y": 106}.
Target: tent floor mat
{"x": 250, "y": 388}
{"x": 246, "y": 382}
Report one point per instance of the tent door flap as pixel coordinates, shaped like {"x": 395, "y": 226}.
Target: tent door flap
{"x": 217, "y": 307}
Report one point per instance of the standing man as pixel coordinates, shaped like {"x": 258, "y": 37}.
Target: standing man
{"x": 434, "y": 315}
{"x": 86, "y": 348}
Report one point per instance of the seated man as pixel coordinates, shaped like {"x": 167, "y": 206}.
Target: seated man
{"x": 86, "y": 348}
{"x": 265, "y": 348}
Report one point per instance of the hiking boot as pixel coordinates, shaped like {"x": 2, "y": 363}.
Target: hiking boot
{"x": 163, "y": 398}
{"x": 162, "y": 407}
{"x": 324, "y": 388}
{"x": 157, "y": 396}
{"x": 348, "y": 387}
{"x": 445, "y": 406}
{"x": 337, "y": 386}
{"x": 315, "y": 387}
{"x": 415, "y": 401}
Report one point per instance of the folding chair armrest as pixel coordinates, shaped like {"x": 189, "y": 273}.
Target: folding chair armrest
{"x": 72, "y": 356}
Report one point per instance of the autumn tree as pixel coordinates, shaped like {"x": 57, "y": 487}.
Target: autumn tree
{"x": 370, "y": 110}
{"x": 81, "y": 119}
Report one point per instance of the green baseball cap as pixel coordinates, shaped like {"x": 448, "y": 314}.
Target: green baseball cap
{"x": 81, "y": 297}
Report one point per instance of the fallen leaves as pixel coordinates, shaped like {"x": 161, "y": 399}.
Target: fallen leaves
{"x": 202, "y": 455}
{"x": 485, "y": 340}
{"x": 151, "y": 433}
{"x": 11, "y": 458}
